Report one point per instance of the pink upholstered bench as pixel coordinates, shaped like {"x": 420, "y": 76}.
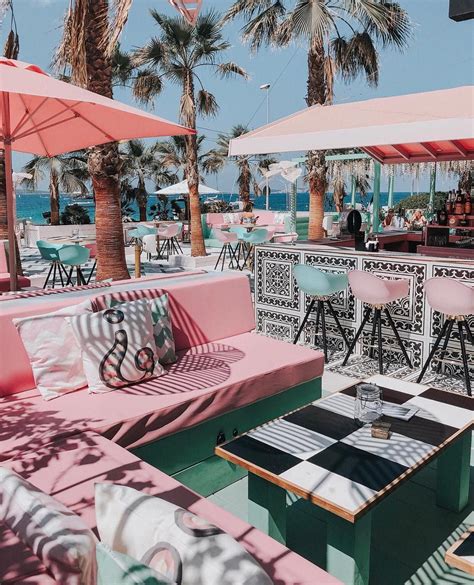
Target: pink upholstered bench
{"x": 222, "y": 367}
{"x": 69, "y": 468}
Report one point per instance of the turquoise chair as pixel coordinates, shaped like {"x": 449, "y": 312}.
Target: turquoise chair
{"x": 247, "y": 243}
{"x": 74, "y": 256}
{"x": 49, "y": 252}
{"x": 320, "y": 287}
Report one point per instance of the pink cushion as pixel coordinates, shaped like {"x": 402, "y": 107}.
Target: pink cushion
{"x": 5, "y": 281}
{"x": 17, "y": 375}
{"x": 207, "y": 381}
{"x": 70, "y": 467}
{"x": 214, "y": 219}
{"x": 17, "y": 560}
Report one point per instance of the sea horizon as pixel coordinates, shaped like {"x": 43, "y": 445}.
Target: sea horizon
{"x": 32, "y": 204}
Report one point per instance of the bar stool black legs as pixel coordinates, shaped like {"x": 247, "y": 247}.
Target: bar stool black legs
{"x": 226, "y": 248}
{"x": 321, "y": 317}
{"x": 377, "y": 329}
{"x": 56, "y": 270}
{"x": 445, "y": 332}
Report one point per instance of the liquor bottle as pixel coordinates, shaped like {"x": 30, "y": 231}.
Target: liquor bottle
{"x": 448, "y": 205}
{"x": 459, "y": 204}
{"x": 467, "y": 204}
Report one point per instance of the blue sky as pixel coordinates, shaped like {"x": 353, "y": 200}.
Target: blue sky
{"x": 441, "y": 55}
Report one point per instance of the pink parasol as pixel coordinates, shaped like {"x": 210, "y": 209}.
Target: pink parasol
{"x": 42, "y": 115}
{"x": 189, "y": 9}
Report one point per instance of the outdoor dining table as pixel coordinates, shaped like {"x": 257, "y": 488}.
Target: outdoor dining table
{"x": 79, "y": 240}
{"x": 321, "y": 454}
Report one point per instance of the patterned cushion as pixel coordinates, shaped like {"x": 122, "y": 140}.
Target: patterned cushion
{"x": 162, "y": 328}
{"x": 59, "y": 538}
{"x": 182, "y": 546}
{"x": 119, "y": 569}
{"x": 117, "y": 345}
{"x": 54, "y": 353}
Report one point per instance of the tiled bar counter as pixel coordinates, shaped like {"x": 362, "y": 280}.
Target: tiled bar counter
{"x": 281, "y": 306}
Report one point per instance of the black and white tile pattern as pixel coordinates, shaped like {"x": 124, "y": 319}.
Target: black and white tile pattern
{"x": 320, "y": 448}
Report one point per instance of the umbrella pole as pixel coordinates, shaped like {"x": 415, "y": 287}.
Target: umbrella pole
{"x": 9, "y": 192}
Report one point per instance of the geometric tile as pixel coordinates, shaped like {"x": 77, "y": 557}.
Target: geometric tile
{"x": 398, "y": 448}
{"x": 335, "y": 488}
{"x": 323, "y": 421}
{"x": 357, "y": 465}
{"x": 291, "y": 438}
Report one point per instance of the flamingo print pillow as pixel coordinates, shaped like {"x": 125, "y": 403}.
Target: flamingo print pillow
{"x": 183, "y": 547}
{"x": 118, "y": 347}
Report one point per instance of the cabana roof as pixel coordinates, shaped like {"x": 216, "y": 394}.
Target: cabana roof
{"x": 421, "y": 127}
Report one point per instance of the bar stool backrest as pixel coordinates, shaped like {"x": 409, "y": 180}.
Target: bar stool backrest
{"x": 373, "y": 290}
{"x": 449, "y": 296}
{"x": 225, "y": 236}
{"x": 169, "y": 231}
{"x": 74, "y": 255}
{"x": 48, "y": 250}
{"x": 318, "y": 283}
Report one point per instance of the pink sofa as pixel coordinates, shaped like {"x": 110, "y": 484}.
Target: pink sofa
{"x": 23, "y": 281}
{"x": 68, "y": 469}
{"x": 64, "y": 445}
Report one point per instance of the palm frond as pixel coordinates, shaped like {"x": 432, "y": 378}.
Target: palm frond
{"x": 355, "y": 56}
{"x": 206, "y": 103}
{"x": 246, "y": 8}
{"x": 147, "y": 85}
{"x": 231, "y": 69}
{"x": 71, "y": 51}
{"x": 264, "y": 28}
{"x": 120, "y": 10}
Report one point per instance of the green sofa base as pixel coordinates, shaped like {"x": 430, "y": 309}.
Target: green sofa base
{"x": 189, "y": 454}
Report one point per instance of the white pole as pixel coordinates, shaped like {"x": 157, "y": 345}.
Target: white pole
{"x": 266, "y": 87}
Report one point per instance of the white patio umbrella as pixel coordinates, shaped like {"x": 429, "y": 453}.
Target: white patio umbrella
{"x": 183, "y": 189}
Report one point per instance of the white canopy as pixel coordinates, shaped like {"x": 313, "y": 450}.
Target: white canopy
{"x": 431, "y": 126}
{"x": 182, "y": 189}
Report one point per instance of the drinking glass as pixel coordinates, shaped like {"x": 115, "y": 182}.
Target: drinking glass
{"x": 368, "y": 404}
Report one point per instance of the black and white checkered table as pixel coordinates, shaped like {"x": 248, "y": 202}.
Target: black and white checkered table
{"x": 320, "y": 453}
{"x": 461, "y": 554}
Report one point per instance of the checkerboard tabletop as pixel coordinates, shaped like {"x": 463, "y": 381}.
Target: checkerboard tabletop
{"x": 461, "y": 554}
{"x": 320, "y": 453}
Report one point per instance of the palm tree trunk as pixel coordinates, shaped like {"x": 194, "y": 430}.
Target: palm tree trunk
{"x": 104, "y": 161}
{"x": 317, "y": 170}
{"x": 198, "y": 247}
{"x": 245, "y": 183}
{"x": 142, "y": 199}
{"x": 54, "y": 197}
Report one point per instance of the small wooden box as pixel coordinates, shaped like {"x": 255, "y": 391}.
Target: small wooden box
{"x": 381, "y": 430}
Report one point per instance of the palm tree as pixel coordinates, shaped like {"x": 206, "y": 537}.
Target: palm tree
{"x": 91, "y": 33}
{"x": 67, "y": 172}
{"x": 178, "y": 55}
{"x": 343, "y": 39}
{"x": 247, "y": 167}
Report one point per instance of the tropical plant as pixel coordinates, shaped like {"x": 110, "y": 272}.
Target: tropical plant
{"x": 139, "y": 162}
{"x": 91, "y": 32}
{"x": 247, "y": 167}
{"x": 75, "y": 214}
{"x": 178, "y": 55}
{"x": 421, "y": 201}
{"x": 67, "y": 172}
{"x": 343, "y": 38}
{"x": 172, "y": 155}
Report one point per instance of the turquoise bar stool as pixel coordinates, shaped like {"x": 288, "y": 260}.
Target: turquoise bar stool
{"x": 74, "y": 256}
{"x": 320, "y": 287}
{"x": 49, "y": 252}
{"x": 248, "y": 241}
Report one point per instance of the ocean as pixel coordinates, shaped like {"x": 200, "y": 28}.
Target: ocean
{"x": 32, "y": 205}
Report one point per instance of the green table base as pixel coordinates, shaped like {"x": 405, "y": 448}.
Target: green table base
{"x": 267, "y": 507}
{"x": 452, "y": 489}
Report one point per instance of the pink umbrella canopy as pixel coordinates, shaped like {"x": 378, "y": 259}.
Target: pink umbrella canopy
{"x": 189, "y": 9}
{"x": 42, "y": 115}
